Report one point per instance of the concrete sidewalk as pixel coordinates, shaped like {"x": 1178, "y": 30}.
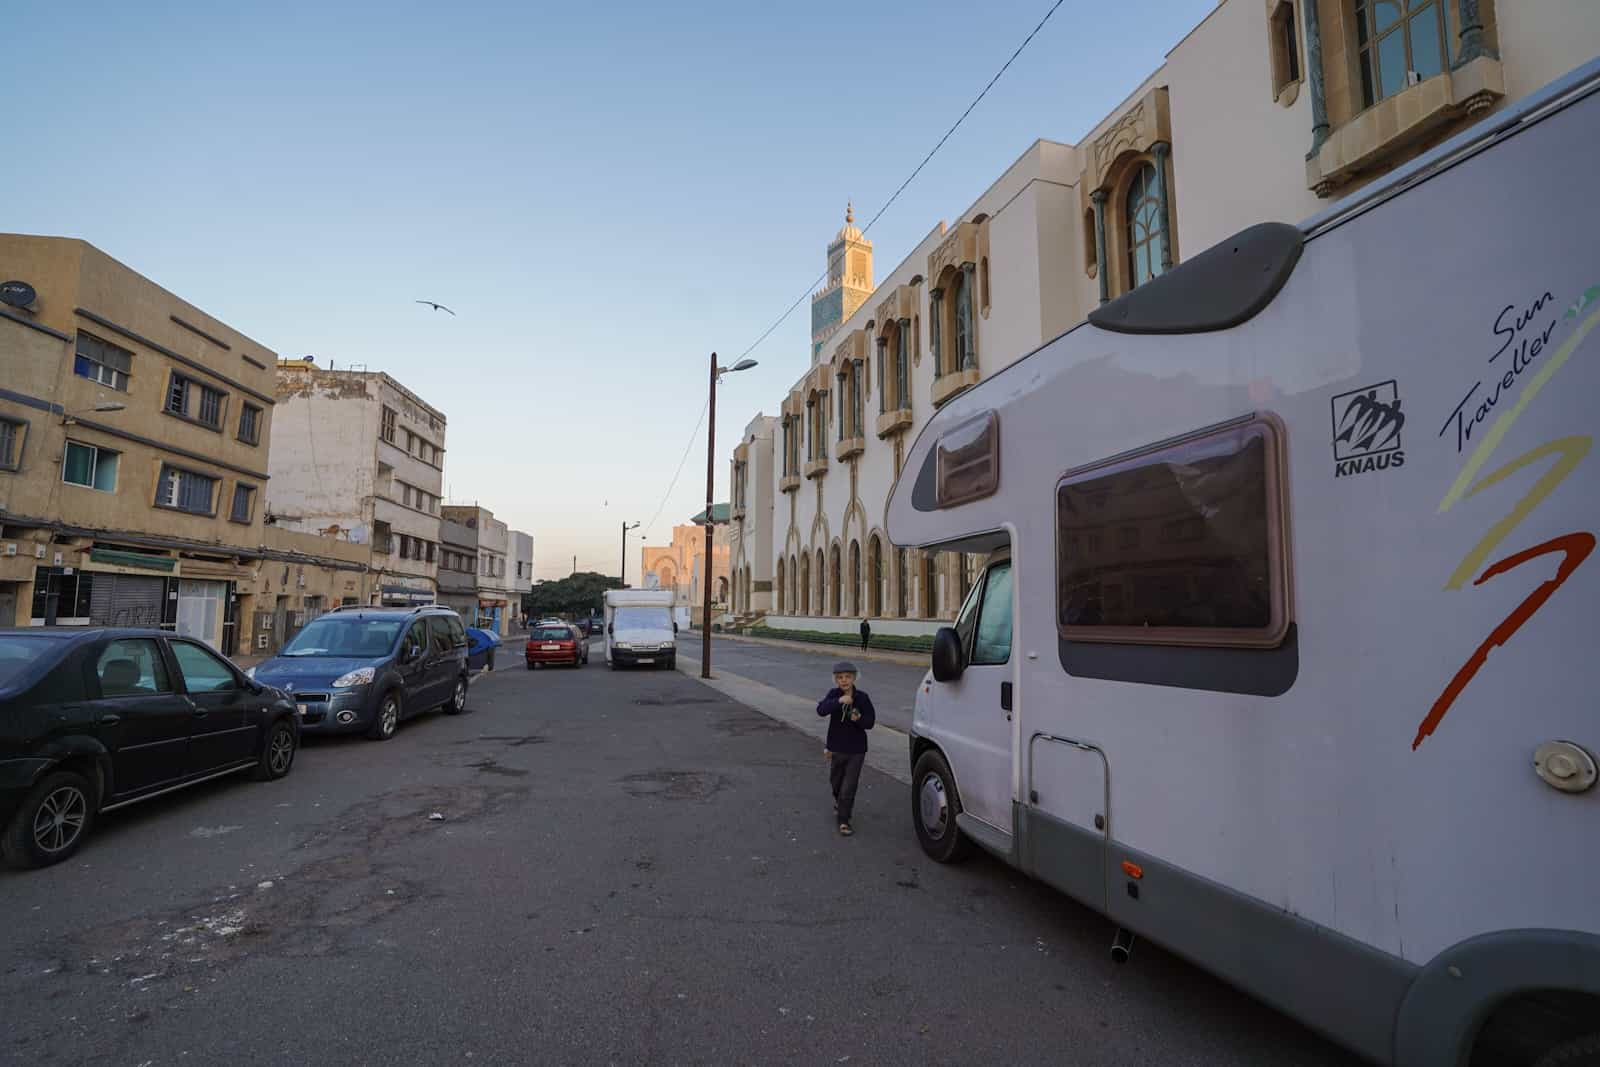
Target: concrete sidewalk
{"x": 889, "y": 749}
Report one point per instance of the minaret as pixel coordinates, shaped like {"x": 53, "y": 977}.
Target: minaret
{"x": 849, "y": 282}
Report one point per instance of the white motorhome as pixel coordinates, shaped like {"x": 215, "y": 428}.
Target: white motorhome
{"x": 1282, "y": 654}
{"x": 640, "y": 630}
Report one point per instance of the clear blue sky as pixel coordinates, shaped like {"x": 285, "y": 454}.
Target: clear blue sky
{"x": 603, "y": 192}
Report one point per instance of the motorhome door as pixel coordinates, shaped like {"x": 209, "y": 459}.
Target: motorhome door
{"x": 972, "y": 714}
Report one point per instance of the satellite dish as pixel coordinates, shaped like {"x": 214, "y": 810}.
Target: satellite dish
{"x": 17, "y": 294}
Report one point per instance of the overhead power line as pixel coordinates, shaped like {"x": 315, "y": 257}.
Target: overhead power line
{"x": 912, "y": 176}
{"x": 694, "y": 434}
{"x": 864, "y": 230}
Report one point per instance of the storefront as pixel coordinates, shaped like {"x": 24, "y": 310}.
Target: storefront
{"x": 203, "y": 610}
{"x": 491, "y": 614}
{"x": 396, "y": 594}
{"x": 107, "y": 587}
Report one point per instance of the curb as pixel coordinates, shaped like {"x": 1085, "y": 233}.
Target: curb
{"x": 800, "y": 714}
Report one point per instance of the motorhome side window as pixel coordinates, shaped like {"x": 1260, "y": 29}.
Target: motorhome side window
{"x": 1182, "y": 543}
{"x": 968, "y": 458}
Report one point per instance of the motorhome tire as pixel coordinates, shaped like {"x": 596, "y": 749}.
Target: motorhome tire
{"x": 934, "y": 806}
{"x": 1579, "y": 1052}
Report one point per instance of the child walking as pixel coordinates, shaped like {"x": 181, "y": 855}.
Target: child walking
{"x": 850, "y": 715}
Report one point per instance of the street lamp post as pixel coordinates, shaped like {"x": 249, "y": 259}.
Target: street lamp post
{"x": 711, "y": 524}
{"x": 625, "y": 528}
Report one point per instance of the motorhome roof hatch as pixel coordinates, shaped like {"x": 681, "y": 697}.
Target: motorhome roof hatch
{"x": 1223, "y": 286}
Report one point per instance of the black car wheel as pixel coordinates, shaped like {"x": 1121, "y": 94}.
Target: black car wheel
{"x": 387, "y": 720}
{"x": 934, "y": 807}
{"x": 458, "y": 698}
{"x": 277, "y": 755}
{"x": 52, "y": 822}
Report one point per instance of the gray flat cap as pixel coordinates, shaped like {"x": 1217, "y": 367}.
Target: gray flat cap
{"x": 844, "y": 666}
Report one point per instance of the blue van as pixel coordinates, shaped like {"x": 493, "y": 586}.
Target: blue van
{"x": 366, "y": 669}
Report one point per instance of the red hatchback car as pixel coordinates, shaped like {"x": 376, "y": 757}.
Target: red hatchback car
{"x": 556, "y": 644}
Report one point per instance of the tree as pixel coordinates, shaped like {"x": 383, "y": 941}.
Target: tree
{"x": 579, "y": 594}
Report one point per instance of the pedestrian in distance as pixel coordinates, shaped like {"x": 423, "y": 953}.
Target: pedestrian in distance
{"x": 850, "y": 715}
{"x": 866, "y": 633}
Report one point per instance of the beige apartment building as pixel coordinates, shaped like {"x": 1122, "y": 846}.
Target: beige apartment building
{"x": 134, "y": 434}
{"x": 359, "y": 459}
{"x": 485, "y": 591}
{"x": 680, "y": 564}
{"x": 1268, "y": 110}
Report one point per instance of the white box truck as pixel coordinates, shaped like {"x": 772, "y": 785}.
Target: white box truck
{"x": 640, "y": 630}
{"x": 1284, "y": 653}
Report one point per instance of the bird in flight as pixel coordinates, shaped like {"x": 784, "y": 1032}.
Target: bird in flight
{"x": 436, "y": 307}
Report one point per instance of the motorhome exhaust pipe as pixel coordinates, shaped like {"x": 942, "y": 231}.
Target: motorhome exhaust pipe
{"x": 1122, "y": 945}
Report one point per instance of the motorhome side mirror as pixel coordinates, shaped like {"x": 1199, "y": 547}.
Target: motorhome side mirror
{"x": 947, "y": 659}
{"x": 610, "y": 629}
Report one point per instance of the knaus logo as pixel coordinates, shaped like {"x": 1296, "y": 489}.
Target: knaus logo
{"x": 1366, "y": 430}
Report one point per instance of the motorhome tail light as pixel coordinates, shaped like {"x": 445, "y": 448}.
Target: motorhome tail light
{"x": 1132, "y": 870}
{"x": 968, "y": 461}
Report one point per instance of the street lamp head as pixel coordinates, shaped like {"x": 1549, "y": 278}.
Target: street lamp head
{"x": 743, "y": 364}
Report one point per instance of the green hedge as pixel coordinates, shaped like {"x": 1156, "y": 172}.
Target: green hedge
{"x": 888, "y": 642}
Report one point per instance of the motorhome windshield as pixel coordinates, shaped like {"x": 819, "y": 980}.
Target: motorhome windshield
{"x": 345, "y": 635}
{"x": 642, "y": 619}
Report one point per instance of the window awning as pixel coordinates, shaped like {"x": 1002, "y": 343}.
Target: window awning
{"x": 116, "y": 558}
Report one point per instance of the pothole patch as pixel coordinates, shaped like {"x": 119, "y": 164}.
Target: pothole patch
{"x": 675, "y": 785}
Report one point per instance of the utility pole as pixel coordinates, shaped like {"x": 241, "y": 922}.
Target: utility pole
{"x": 625, "y": 529}
{"x": 705, "y": 571}
{"x": 711, "y": 524}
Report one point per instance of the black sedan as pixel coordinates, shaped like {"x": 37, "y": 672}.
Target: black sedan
{"x": 93, "y": 719}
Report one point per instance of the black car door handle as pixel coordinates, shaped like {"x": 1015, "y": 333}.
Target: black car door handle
{"x": 199, "y": 713}
{"x": 1005, "y": 696}
{"x": 110, "y": 720}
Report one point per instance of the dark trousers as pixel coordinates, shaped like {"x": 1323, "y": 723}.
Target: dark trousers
{"x": 844, "y": 775}
{"x": 864, "y": 639}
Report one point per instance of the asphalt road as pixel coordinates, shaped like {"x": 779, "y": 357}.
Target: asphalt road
{"x": 805, "y": 672}
{"x": 629, "y": 869}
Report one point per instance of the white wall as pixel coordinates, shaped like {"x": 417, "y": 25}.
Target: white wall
{"x": 321, "y": 460}
{"x": 880, "y": 627}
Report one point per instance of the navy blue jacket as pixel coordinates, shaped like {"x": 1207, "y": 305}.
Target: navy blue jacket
{"x": 845, "y": 734}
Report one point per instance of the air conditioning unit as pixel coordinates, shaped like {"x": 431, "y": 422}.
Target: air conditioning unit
{"x": 11, "y": 549}
{"x": 38, "y": 552}
{"x": 1413, "y": 78}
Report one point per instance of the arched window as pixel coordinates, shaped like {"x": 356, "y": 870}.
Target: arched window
{"x": 1147, "y": 228}
{"x": 819, "y": 600}
{"x": 855, "y": 577}
{"x": 835, "y": 581}
{"x": 804, "y": 599}
{"x": 902, "y": 584}
{"x": 875, "y": 577}
{"x": 961, "y": 315}
{"x": 781, "y": 588}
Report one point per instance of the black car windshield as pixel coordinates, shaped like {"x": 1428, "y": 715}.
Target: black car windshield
{"x": 18, "y": 653}
{"x": 347, "y": 636}
{"x": 642, "y": 619}
{"x": 553, "y": 633}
